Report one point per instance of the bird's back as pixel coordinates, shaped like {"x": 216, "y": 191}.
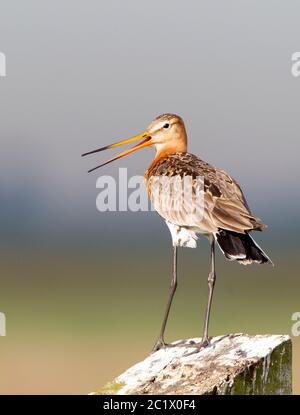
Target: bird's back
{"x": 222, "y": 206}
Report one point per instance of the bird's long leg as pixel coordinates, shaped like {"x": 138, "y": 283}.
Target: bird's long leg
{"x": 160, "y": 341}
{"x": 211, "y": 284}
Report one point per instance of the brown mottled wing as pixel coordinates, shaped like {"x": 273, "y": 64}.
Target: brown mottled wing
{"x": 222, "y": 204}
{"x": 230, "y": 209}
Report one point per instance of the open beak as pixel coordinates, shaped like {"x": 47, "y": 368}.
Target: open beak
{"x": 144, "y": 143}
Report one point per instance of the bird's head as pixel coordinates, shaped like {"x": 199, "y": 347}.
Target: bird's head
{"x": 166, "y": 133}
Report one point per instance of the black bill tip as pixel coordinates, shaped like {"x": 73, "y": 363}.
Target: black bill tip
{"x": 95, "y": 151}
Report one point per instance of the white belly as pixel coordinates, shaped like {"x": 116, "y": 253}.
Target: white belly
{"x": 184, "y": 236}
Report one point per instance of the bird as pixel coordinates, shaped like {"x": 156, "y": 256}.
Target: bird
{"x": 194, "y": 198}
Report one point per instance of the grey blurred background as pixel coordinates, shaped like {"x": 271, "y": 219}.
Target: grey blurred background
{"x": 84, "y": 291}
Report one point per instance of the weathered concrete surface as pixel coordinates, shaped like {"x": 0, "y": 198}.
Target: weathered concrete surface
{"x": 232, "y": 364}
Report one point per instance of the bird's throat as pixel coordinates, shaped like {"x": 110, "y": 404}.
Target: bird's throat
{"x": 163, "y": 150}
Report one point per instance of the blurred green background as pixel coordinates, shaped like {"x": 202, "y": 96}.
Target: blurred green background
{"x": 78, "y": 316}
{"x": 84, "y": 292}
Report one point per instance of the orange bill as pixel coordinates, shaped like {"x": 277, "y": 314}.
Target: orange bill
{"x": 144, "y": 143}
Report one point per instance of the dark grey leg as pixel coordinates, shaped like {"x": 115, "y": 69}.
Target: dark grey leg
{"x": 160, "y": 341}
{"x": 211, "y": 284}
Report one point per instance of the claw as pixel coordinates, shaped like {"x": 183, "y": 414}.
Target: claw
{"x": 160, "y": 344}
{"x": 199, "y": 346}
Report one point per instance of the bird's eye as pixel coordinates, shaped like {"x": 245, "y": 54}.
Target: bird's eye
{"x": 167, "y": 125}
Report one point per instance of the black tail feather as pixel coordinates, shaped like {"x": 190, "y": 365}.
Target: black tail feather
{"x": 241, "y": 247}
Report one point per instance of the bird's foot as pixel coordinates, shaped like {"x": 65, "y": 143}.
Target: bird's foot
{"x": 204, "y": 343}
{"x": 161, "y": 344}
{"x": 198, "y": 346}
